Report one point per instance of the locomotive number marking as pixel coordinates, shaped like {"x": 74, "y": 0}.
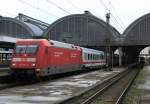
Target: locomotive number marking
{"x": 73, "y": 55}
{"x": 58, "y": 54}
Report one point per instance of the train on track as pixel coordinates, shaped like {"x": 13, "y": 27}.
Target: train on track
{"x": 41, "y": 57}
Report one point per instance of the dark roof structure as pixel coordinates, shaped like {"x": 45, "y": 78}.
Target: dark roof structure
{"x": 82, "y": 29}
{"x": 138, "y": 32}
{"x": 20, "y": 27}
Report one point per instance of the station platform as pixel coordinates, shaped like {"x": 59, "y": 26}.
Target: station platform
{"x": 144, "y": 86}
{"x": 4, "y": 71}
{"x": 57, "y": 90}
{"x": 139, "y": 92}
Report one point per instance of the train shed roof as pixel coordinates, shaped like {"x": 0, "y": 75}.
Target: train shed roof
{"x": 138, "y": 32}
{"x": 20, "y": 27}
{"x": 82, "y": 29}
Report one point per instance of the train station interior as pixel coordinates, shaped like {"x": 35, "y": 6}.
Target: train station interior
{"x": 74, "y": 52}
{"x": 84, "y": 30}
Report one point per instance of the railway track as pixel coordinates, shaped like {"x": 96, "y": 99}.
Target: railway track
{"x": 110, "y": 91}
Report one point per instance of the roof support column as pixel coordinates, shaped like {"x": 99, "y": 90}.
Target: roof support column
{"x": 120, "y": 56}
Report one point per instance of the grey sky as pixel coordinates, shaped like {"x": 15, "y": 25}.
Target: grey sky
{"x": 128, "y": 10}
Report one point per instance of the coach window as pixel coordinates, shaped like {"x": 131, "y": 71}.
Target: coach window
{"x": 94, "y": 57}
{"x": 99, "y": 57}
{"x": 88, "y": 56}
{"x": 102, "y": 56}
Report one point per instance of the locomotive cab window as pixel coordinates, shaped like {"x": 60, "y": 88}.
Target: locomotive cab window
{"x": 20, "y": 49}
{"x": 29, "y": 49}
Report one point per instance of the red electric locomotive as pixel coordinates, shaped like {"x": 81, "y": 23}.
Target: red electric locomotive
{"x": 41, "y": 57}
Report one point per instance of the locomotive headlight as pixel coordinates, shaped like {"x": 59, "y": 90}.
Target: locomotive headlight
{"x": 13, "y": 64}
{"x": 33, "y": 64}
{"x": 38, "y": 70}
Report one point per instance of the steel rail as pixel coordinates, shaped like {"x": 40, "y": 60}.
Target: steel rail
{"x": 102, "y": 87}
{"x": 101, "y": 91}
{"x": 120, "y": 98}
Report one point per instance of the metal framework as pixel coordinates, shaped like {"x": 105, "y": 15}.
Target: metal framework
{"x": 20, "y": 27}
{"x": 14, "y": 28}
{"x": 27, "y": 19}
{"x": 82, "y": 29}
{"x": 138, "y": 33}
{"x": 136, "y": 37}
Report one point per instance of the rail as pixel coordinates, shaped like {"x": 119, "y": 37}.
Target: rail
{"x": 101, "y": 91}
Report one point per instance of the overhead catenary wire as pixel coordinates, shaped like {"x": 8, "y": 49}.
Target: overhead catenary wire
{"x": 116, "y": 13}
{"x": 107, "y": 9}
{"x": 42, "y": 10}
{"x": 104, "y": 5}
{"x": 37, "y": 2}
{"x": 78, "y": 9}
{"x": 73, "y": 5}
{"x": 58, "y": 7}
{"x": 117, "y": 23}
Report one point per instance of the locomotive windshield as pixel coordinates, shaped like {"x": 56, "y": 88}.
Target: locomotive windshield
{"x": 28, "y": 49}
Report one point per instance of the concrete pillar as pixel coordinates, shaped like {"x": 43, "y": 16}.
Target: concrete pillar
{"x": 120, "y": 56}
